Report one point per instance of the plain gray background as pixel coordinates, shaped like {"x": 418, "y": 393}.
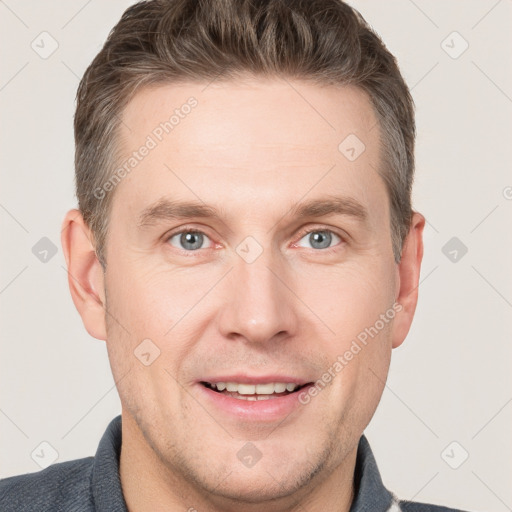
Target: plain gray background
{"x": 449, "y": 392}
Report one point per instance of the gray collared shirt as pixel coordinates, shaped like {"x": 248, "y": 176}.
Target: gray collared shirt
{"x": 92, "y": 484}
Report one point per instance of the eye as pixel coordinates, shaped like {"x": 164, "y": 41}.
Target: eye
{"x": 188, "y": 240}
{"x": 320, "y": 238}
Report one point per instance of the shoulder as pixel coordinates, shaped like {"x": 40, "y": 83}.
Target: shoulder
{"x": 410, "y": 506}
{"x": 61, "y": 486}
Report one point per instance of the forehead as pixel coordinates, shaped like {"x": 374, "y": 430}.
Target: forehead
{"x": 278, "y": 113}
{"x": 254, "y": 139}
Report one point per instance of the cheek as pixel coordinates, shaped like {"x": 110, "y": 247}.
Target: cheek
{"x": 348, "y": 298}
{"x": 149, "y": 300}
{"x": 151, "y": 326}
{"x": 367, "y": 325}
{"x": 352, "y": 301}
{"x": 143, "y": 361}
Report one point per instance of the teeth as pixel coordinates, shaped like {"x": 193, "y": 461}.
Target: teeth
{"x": 263, "y": 389}
{"x": 245, "y": 389}
{"x": 252, "y": 389}
{"x": 279, "y": 387}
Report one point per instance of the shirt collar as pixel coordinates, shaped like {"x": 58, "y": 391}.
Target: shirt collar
{"x": 105, "y": 479}
{"x": 370, "y": 493}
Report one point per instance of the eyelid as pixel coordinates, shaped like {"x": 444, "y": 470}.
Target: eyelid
{"x": 312, "y": 229}
{"x": 302, "y": 233}
{"x": 186, "y": 229}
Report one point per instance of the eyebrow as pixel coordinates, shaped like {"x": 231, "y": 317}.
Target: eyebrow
{"x": 166, "y": 209}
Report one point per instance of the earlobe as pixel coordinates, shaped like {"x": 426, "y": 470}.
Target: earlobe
{"x": 408, "y": 278}
{"x": 85, "y": 274}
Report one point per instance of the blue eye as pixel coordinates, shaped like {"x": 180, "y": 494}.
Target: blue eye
{"x": 189, "y": 240}
{"x": 320, "y": 238}
{"x": 192, "y": 240}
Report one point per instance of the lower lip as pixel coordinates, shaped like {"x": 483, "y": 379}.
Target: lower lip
{"x": 269, "y": 410}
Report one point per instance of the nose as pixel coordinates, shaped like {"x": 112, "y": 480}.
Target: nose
{"x": 259, "y": 306}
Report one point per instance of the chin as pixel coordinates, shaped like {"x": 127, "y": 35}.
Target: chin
{"x": 270, "y": 478}
{"x": 257, "y": 487}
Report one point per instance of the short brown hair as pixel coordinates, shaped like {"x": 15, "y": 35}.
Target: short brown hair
{"x": 166, "y": 41}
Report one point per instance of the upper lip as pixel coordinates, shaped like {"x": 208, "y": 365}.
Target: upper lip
{"x": 255, "y": 379}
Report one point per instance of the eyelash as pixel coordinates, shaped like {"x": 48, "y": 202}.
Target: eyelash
{"x": 307, "y": 231}
{"x": 315, "y": 229}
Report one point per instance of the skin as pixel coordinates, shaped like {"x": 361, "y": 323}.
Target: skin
{"x": 252, "y": 148}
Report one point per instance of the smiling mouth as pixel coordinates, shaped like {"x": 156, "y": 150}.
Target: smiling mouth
{"x": 254, "y": 392}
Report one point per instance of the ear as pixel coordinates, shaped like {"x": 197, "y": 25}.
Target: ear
{"x": 408, "y": 278}
{"x": 85, "y": 274}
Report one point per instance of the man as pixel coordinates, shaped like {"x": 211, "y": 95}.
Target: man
{"x": 245, "y": 244}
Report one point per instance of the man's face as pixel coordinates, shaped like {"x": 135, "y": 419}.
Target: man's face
{"x": 248, "y": 296}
